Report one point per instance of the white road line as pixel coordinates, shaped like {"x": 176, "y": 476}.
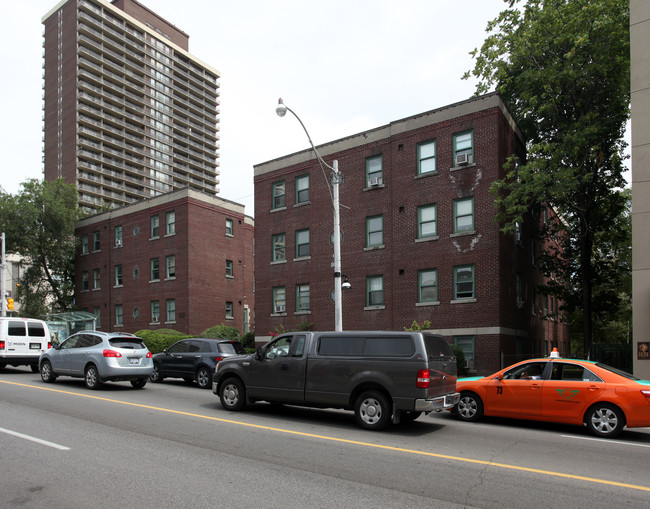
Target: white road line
{"x": 34, "y": 439}
{"x": 605, "y": 440}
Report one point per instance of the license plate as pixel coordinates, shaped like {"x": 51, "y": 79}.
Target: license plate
{"x": 34, "y": 346}
{"x": 134, "y": 360}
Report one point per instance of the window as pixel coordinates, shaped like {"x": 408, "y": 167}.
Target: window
{"x": 279, "y": 245}
{"x": 154, "y": 227}
{"x": 155, "y": 311}
{"x": 374, "y": 231}
{"x": 96, "y": 244}
{"x": 374, "y": 171}
{"x": 464, "y": 215}
{"x": 118, "y": 275}
{"x": 427, "y": 221}
{"x": 464, "y": 282}
{"x": 426, "y": 157}
{"x": 302, "y": 189}
{"x": 519, "y": 290}
{"x": 229, "y": 228}
{"x": 171, "y": 310}
{"x": 97, "y": 311}
{"x": 302, "y": 243}
{"x": 428, "y": 285}
{"x": 302, "y": 298}
{"x": 84, "y": 281}
{"x": 96, "y": 280}
{"x": 170, "y": 266}
{"x": 170, "y": 223}
{"x": 279, "y": 195}
{"x": 279, "y": 300}
{"x": 463, "y": 148}
{"x": 119, "y": 319}
{"x": 375, "y": 291}
{"x": 229, "y": 269}
{"x": 118, "y": 236}
{"x": 84, "y": 244}
{"x": 155, "y": 270}
{"x": 229, "y": 310}
{"x": 466, "y": 344}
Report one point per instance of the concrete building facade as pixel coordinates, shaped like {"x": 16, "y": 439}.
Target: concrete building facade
{"x": 419, "y": 239}
{"x": 183, "y": 260}
{"x": 128, "y": 112}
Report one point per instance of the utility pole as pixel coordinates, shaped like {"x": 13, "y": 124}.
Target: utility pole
{"x": 3, "y": 283}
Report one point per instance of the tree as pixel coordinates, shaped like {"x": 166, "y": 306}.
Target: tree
{"x": 39, "y": 225}
{"x": 562, "y": 66}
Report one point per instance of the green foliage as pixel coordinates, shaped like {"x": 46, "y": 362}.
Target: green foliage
{"x": 563, "y": 68}
{"x": 418, "y": 326}
{"x": 248, "y": 341}
{"x": 159, "y": 340}
{"x": 39, "y": 225}
{"x": 305, "y": 325}
{"x": 460, "y": 361}
{"x": 222, "y": 332}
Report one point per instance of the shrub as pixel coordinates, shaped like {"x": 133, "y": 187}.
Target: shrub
{"x": 460, "y": 361}
{"x": 248, "y": 341}
{"x": 222, "y": 332}
{"x": 159, "y": 340}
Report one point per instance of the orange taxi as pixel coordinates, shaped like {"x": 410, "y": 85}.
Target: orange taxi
{"x": 555, "y": 389}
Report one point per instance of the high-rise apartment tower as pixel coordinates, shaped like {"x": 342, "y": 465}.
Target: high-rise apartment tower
{"x": 128, "y": 112}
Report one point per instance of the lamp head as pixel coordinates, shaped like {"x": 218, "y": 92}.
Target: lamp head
{"x": 281, "y": 110}
{"x": 346, "y": 284}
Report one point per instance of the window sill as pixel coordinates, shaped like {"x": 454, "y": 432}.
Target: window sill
{"x": 457, "y": 168}
{"x": 301, "y": 204}
{"x": 278, "y": 262}
{"x": 297, "y": 313}
{"x": 118, "y": 246}
{"x": 120, "y": 325}
{"x": 170, "y": 278}
{"x": 154, "y": 323}
{"x": 372, "y": 188}
{"x": 278, "y": 314}
{"x": 374, "y": 248}
{"x": 427, "y": 239}
{"x": 96, "y": 289}
{"x": 279, "y": 209}
{"x": 229, "y": 277}
{"x": 155, "y": 237}
{"x": 170, "y": 234}
{"x": 229, "y": 317}
{"x": 230, "y": 235}
{"x": 463, "y": 301}
{"x": 373, "y": 308}
{"x": 462, "y": 234}
{"x": 117, "y": 286}
{"x": 425, "y": 304}
{"x": 171, "y": 322}
{"x": 302, "y": 258}
{"x": 154, "y": 280}
{"x": 423, "y": 175}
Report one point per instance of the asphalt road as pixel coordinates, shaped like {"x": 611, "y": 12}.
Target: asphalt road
{"x": 172, "y": 445}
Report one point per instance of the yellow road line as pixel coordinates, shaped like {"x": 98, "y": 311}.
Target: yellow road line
{"x": 343, "y": 440}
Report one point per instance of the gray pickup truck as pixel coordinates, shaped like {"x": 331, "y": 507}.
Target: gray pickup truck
{"x": 382, "y": 376}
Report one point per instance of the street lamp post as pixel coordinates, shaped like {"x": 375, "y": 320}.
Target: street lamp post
{"x": 281, "y": 110}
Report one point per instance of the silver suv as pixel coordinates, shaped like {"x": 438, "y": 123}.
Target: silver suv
{"x": 99, "y": 357}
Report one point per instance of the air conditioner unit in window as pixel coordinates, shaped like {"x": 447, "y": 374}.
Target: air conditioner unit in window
{"x": 280, "y": 309}
{"x": 118, "y": 243}
{"x": 462, "y": 159}
{"x": 154, "y": 318}
{"x": 375, "y": 181}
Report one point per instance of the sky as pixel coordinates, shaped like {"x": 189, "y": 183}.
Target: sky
{"x": 344, "y": 66}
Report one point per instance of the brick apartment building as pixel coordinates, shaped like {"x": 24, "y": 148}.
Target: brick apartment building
{"x": 183, "y": 260}
{"x": 419, "y": 238}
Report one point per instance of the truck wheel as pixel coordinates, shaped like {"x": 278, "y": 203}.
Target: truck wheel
{"x": 232, "y": 394}
{"x": 372, "y": 410}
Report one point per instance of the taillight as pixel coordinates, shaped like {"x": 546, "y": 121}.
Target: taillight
{"x": 424, "y": 379}
{"x": 112, "y": 353}
{"x": 646, "y": 393}
{"x": 149, "y": 355}
{"x": 49, "y": 345}
{"x": 2, "y": 345}
{"x": 217, "y": 359}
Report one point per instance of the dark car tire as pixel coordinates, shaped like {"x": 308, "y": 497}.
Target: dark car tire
{"x": 204, "y": 378}
{"x": 232, "y": 394}
{"x": 139, "y": 383}
{"x": 91, "y": 377}
{"x": 469, "y": 407}
{"x": 605, "y": 420}
{"x": 156, "y": 377}
{"x": 34, "y": 368}
{"x": 47, "y": 374}
{"x": 372, "y": 410}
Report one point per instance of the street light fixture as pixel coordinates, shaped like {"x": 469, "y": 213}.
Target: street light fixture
{"x": 281, "y": 110}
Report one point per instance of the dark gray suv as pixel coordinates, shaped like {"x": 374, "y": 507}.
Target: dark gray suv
{"x": 194, "y": 359}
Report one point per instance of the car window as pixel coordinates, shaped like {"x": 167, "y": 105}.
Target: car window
{"x": 194, "y": 346}
{"x": 437, "y": 346}
{"x": 71, "y": 342}
{"x": 231, "y": 347}
{"x": 35, "y": 329}
{"x": 280, "y": 348}
{"x": 528, "y": 371}
{"x": 299, "y": 345}
{"x": 85, "y": 340}
{"x": 133, "y": 343}
{"x": 179, "y": 347}
{"x": 16, "y": 328}
{"x": 573, "y": 373}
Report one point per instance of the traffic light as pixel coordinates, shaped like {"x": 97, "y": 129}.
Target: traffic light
{"x": 10, "y": 304}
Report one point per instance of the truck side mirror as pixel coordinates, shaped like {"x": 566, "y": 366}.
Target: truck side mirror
{"x": 259, "y": 353}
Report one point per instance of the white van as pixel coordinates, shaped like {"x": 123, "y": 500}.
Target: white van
{"x": 22, "y": 340}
